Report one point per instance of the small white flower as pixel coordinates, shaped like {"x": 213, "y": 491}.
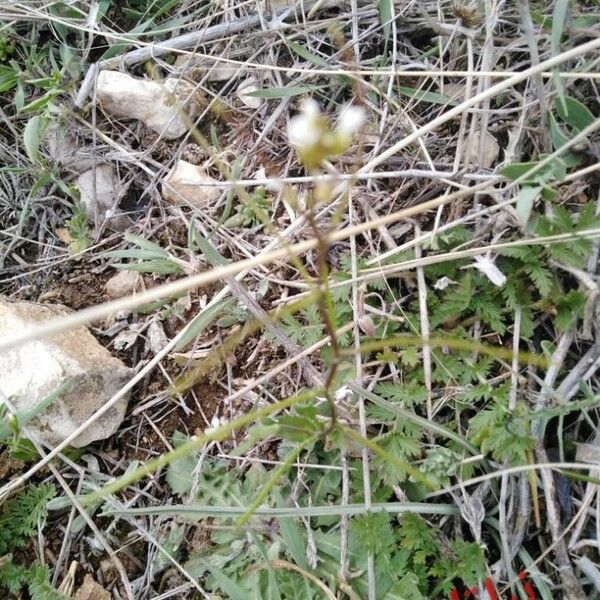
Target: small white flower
{"x": 302, "y": 133}
{"x": 350, "y": 120}
{"x": 490, "y": 270}
{"x": 303, "y": 129}
{"x": 310, "y": 107}
{"x": 215, "y": 423}
{"x": 442, "y": 283}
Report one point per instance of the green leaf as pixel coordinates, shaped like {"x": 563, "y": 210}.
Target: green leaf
{"x": 20, "y": 517}
{"x": 470, "y": 561}
{"x": 516, "y": 170}
{"x": 13, "y": 577}
{"x": 134, "y": 253}
{"x": 385, "y": 18}
{"x": 147, "y": 245}
{"x": 210, "y": 253}
{"x": 589, "y": 20}
{"x": 307, "y": 55}
{"x": 569, "y": 308}
{"x": 156, "y": 266}
{"x": 202, "y": 321}
{"x": 505, "y": 435}
{"x": 41, "y": 102}
{"x": 8, "y": 78}
{"x": 300, "y": 426}
{"x": 575, "y": 113}
{"x": 415, "y": 534}
{"x": 559, "y": 139}
{"x": 374, "y": 531}
{"x": 559, "y": 16}
{"x": 32, "y": 136}
{"x": 179, "y": 472}
{"x": 541, "y": 277}
{"x": 286, "y": 92}
{"x": 400, "y": 446}
{"x": 407, "y": 394}
{"x": 525, "y": 200}
{"x": 555, "y": 169}
{"x": 39, "y": 584}
{"x": 294, "y": 541}
{"x": 548, "y": 193}
{"x": 225, "y": 583}
{"x": 425, "y": 96}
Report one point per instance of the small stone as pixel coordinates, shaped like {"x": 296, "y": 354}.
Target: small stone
{"x": 125, "y": 339}
{"x": 158, "y": 106}
{"x": 187, "y": 184}
{"x": 33, "y": 372}
{"x": 491, "y": 150}
{"x": 99, "y": 193}
{"x": 91, "y": 590}
{"x": 208, "y": 68}
{"x": 124, "y": 283}
{"x": 156, "y": 338}
{"x": 247, "y": 87}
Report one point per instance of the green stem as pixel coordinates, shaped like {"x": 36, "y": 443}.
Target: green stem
{"x": 196, "y": 442}
{"x": 268, "y": 487}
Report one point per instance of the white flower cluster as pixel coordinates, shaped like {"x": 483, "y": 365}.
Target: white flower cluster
{"x": 310, "y": 133}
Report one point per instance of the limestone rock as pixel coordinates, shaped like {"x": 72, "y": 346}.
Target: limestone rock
{"x": 99, "y": 192}
{"x": 91, "y": 590}
{"x": 188, "y": 183}
{"x": 158, "y": 106}
{"x": 34, "y": 371}
{"x": 491, "y": 149}
{"x": 123, "y": 283}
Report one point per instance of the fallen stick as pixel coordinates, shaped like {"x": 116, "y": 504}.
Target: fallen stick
{"x": 191, "y": 40}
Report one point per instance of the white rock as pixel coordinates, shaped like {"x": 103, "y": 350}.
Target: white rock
{"x": 152, "y": 103}
{"x": 187, "y": 184}
{"x": 99, "y": 192}
{"x": 247, "y": 87}
{"x": 123, "y": 283}
{"x": 491, "y": 150}
{"x": 34, "y": 371}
